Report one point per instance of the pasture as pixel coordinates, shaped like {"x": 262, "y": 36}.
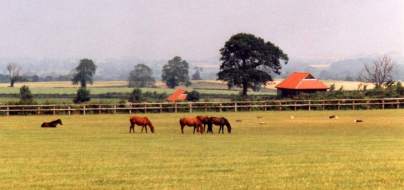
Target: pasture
{"x": 309, "y": 151}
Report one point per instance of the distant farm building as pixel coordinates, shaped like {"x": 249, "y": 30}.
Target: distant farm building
{"x": 298, "y": 83}
{"x": 178, "y": 95}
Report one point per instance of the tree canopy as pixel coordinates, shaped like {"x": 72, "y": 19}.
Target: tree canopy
{"x": 84, "y": 72}
{"x": 248, "y": 61}
{"x": 175, "y": 72}
{"x": 141, "y": 76}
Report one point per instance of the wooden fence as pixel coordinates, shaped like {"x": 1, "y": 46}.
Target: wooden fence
{"x": 272, "y": 105}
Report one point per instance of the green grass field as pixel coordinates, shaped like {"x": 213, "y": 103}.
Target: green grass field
{"x": 275, "y": 152}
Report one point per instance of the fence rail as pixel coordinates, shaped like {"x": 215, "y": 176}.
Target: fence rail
{"x": 271, "y": 105}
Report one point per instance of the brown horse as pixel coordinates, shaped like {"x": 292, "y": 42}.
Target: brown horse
{"x": 141, "y": 121}
{"x": 221, "y": 121}
{"x": 206, "y": 122}
{"x": 192, "y": 122}
{"x": 52, "y": 124}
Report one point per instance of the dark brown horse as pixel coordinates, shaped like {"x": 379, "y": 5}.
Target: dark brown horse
{"x": 206, "y": 122}
{"x": 221, "y": 122}
{"x": 141, "y": 121}
{"x": 52, "y": 124}
{"x": 192, "y": 122}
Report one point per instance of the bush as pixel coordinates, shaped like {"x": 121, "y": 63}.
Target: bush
{"x": 136, "y": 95}
{"x": 83, "y": 95}
{"x": 193, "y": 96}
{"x": 26, "y": 95}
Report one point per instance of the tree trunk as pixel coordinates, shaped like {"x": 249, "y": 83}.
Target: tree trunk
{"x": 12, "y": 83}
{"x": 83, "y": 84}
{"x": 245, "y": 89}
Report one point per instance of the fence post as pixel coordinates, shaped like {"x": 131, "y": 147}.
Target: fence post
{"x": 69, "y": 111}
{"x": 235, "y": 106}
{"x": 145, "y": 107}
{"x": 99, "y": 109}
{"x": 398, "y": 103}
{"x": 353, "y": 104}
{"x": 190, "y": 107}
{"x": 54, "y": 110}
{"x": 309, "y": 105}
{"x": 8, "y": 111}
{"x": 114, "y": 108}
{"x": 161, "y": 107}
{"x": 220, "y": 107}
{"x": 382, "y": 103}
{"x": 175, "y": 107}
{"x": 84, "y": 110}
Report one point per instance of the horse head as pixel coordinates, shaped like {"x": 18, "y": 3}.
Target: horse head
{"x": 59, "y": 121}
{"x": 227, "y": 123}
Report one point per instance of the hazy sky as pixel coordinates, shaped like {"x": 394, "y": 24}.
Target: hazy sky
{"x": 197, "y": 29}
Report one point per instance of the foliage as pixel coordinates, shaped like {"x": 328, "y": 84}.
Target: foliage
{"x": 83, "y": 95}
{"x": 332, "y": 87}
{"x": 175, "y": 72}
{"x": 193, "y": 96}
{"x": 248, "y": 61}
{"x": 136, "y": 95}
{"x": 141, "y": 76}
{"x": 26, "y": 96}
{"x": 84, "y": 72}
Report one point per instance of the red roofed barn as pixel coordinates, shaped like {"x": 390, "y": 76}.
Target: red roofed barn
{"x": 177, "y": 95}
{"x": 300, "y": 82}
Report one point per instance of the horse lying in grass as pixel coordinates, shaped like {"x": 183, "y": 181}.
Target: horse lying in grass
{"x": 192, "y": 122}
{"x": 141, "y": 121}
{"x": 52, "y": 124}
{"x": 221, "y": 122}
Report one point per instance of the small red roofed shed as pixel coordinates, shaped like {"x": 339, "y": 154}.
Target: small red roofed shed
{"x": 178, "y": 95}
{"x": 300, "y": 82}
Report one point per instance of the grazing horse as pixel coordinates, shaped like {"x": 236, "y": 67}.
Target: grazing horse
{"x": 141, "y": 121}
{"x": 206, "y": 122}
{"x": 192, "y": 122}
{"x": 221, "y": 121}
{"x": 52, "y": 124}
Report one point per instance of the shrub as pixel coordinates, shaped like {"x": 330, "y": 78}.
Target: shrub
{"x": 26, "y": 95}
{"x": 136, "y": 95}
{"x": 83, "y": 95}
{"x": 193, "y": 96}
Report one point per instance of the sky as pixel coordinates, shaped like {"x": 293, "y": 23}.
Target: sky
{"x": 194, "y": 29}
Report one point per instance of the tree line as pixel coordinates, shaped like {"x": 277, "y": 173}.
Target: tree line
{"x": 246, "y": 61}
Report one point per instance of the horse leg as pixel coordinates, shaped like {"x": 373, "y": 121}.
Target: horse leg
{"x": 194, "y": 129}
{"x": 182, "y": 128}
{"x": 145, "y": 127}
{"x": 131, "y": 127}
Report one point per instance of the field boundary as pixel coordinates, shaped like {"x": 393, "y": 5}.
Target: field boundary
{"x": 239, "y": 106}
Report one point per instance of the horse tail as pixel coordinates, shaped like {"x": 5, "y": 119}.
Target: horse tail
{"x": 227, "y": 123}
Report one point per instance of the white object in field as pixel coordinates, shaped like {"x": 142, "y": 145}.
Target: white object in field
{"x": 292, "y": 117}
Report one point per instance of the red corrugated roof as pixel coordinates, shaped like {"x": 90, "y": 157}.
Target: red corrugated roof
{"x": 177, "y": 95}
{"x": 301, "y": 81}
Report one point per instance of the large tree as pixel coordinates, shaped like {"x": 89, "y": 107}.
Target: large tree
{"x": 248, "y": 61}
{"x": 141, "y": 76}
{"x": 13, "y": 73}
{"x": 379, "y": 72}
{"x": 175, "y": 72}
{"x": 84, "y": 72}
